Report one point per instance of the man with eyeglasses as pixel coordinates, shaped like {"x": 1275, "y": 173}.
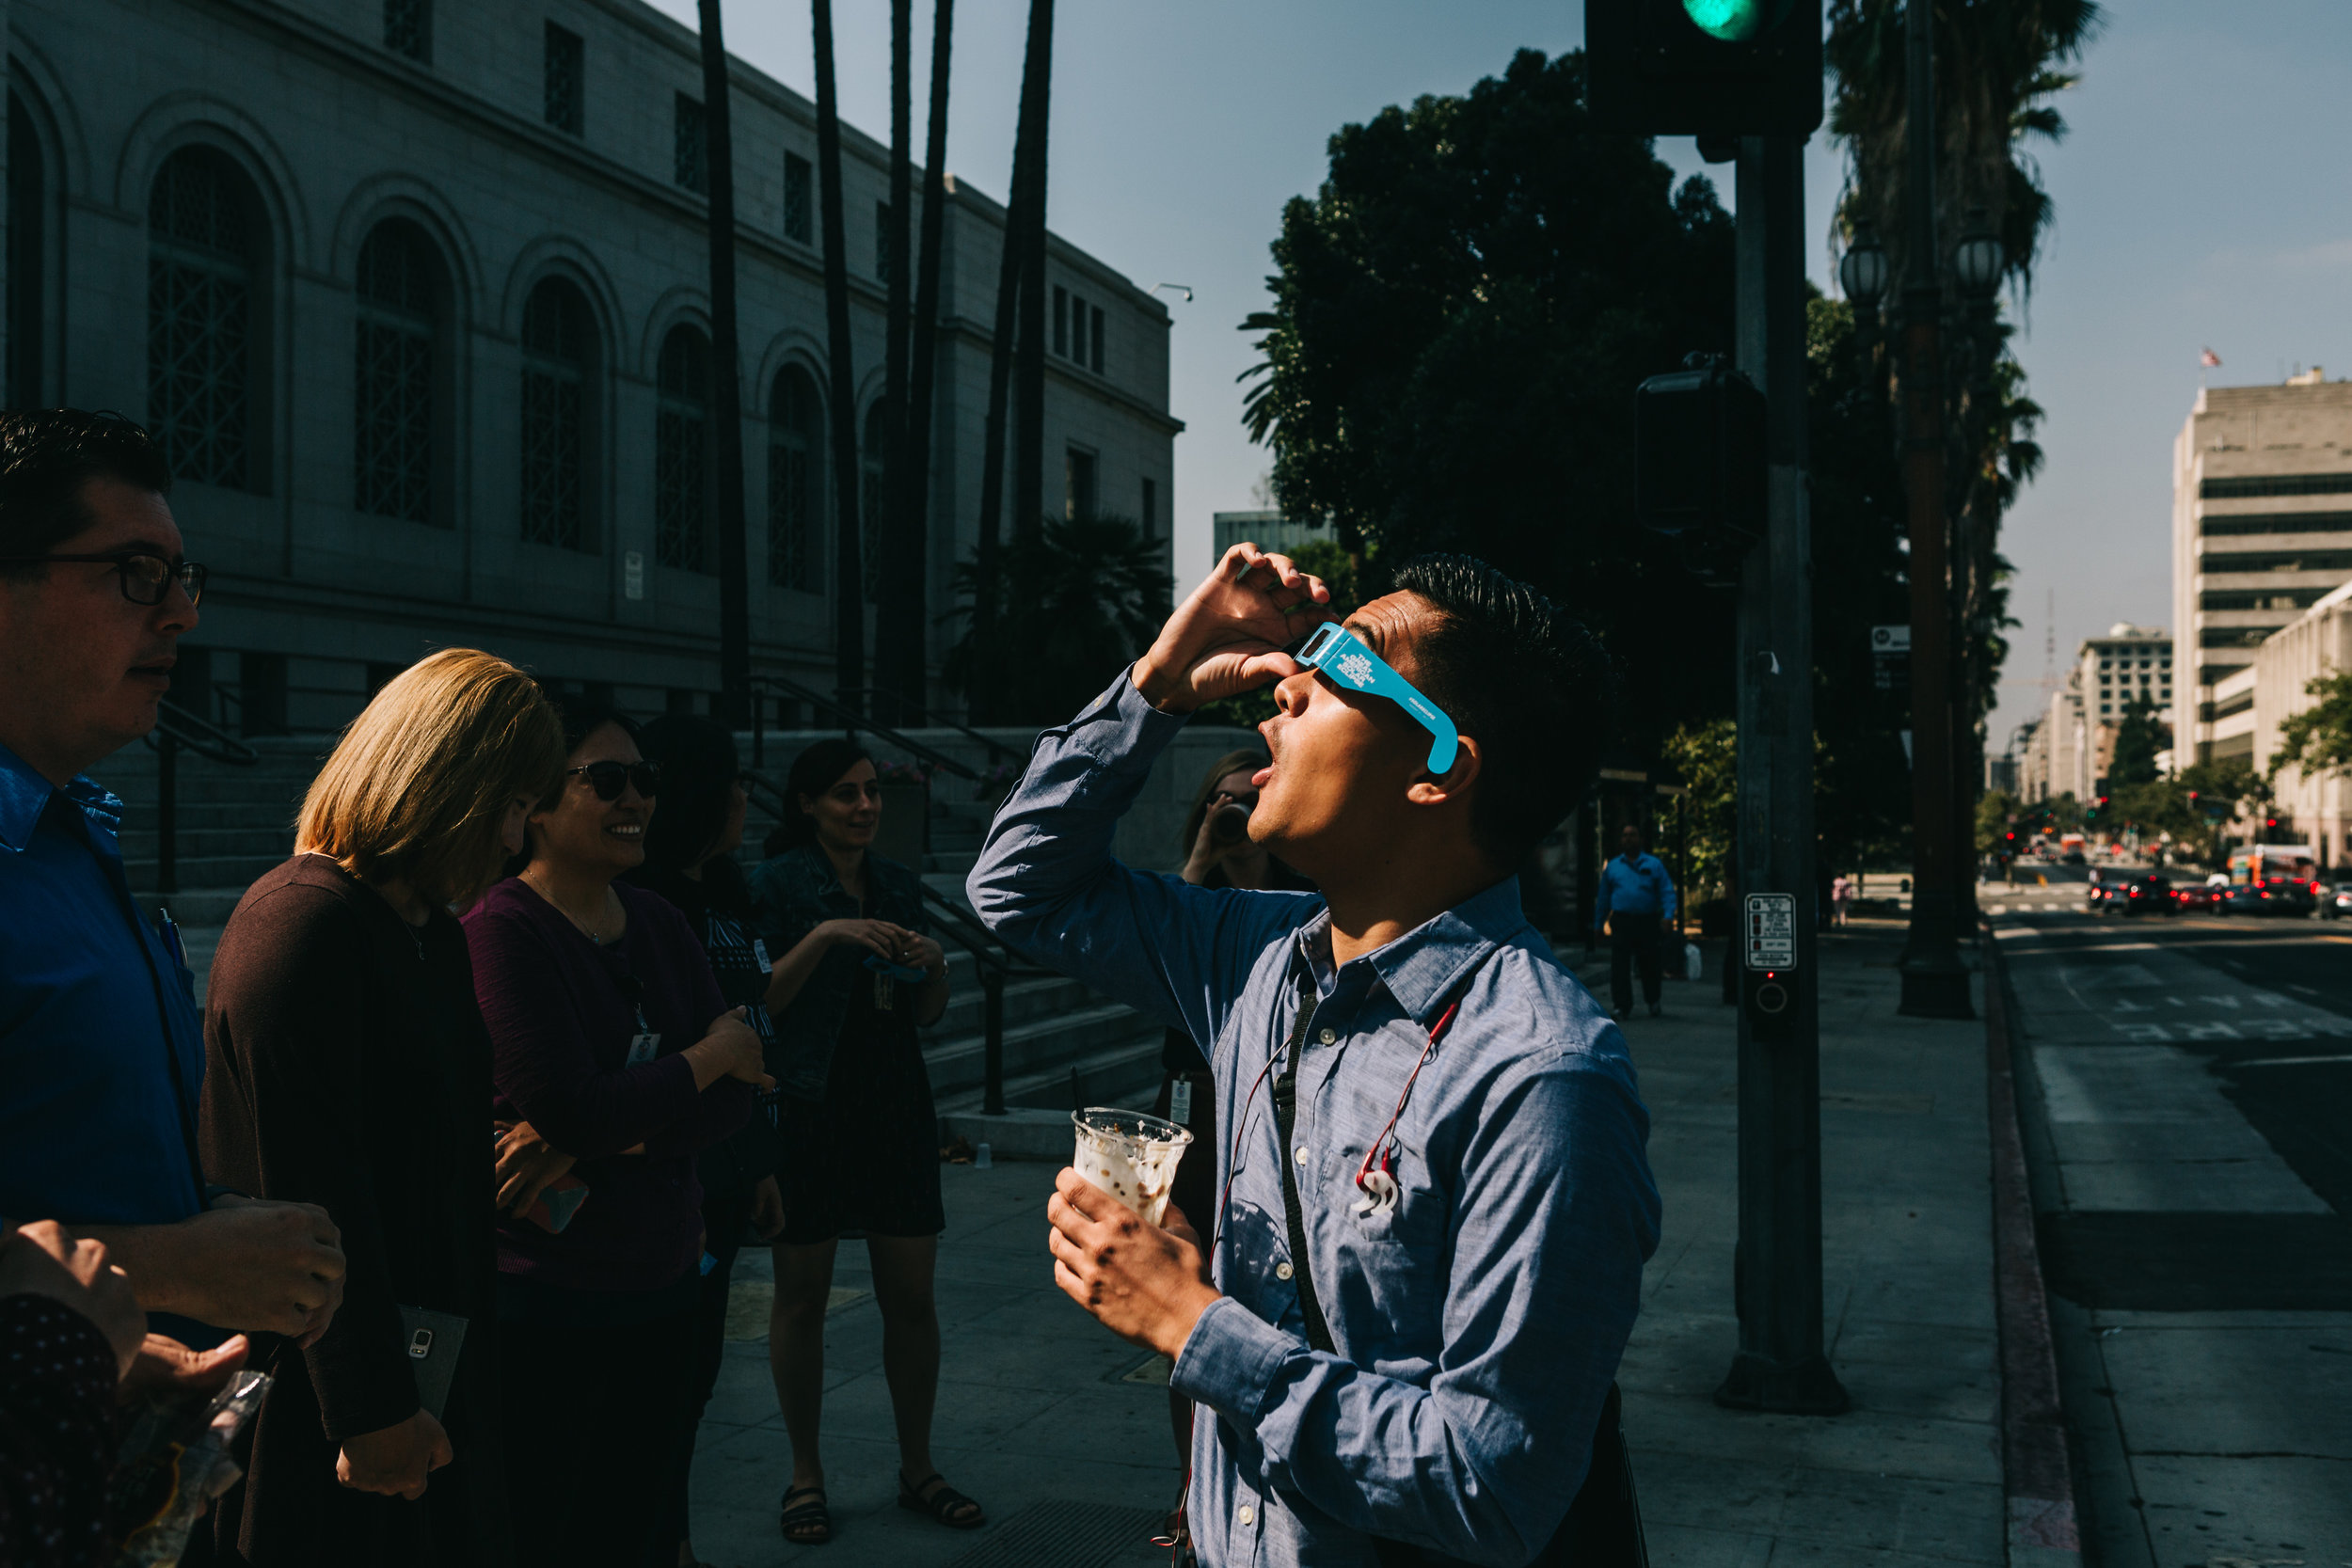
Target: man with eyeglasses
{"x": 1401, "y": 1325}
{"x": 101, "y": 1057}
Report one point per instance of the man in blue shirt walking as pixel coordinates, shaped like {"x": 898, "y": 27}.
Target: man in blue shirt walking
{"x": 1402, "y": 1338}
{"x": 1637, "y": 907}
{"x": 101, "y": 1057}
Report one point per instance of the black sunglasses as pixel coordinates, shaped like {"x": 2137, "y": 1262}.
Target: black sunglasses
{"x": 145, "y": 578}
{"x": 607, "y": 778}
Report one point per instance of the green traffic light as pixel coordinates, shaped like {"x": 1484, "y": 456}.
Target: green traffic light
{"x": 1735, "y": 21}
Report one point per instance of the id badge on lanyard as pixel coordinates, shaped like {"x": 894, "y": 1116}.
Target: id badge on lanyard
{"x": 643, "y": 1044}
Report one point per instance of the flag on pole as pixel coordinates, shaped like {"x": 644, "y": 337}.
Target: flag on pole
{"x": 2209, "y": 361}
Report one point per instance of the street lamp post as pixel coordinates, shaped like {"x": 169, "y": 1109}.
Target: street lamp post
{"x": 1978, "y": 261}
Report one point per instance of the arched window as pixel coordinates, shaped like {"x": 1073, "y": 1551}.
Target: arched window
{"x": 793, "y": 504}
{"x": 559, "y": 356}
{"x": 681, "y": 449}
{"x": 392, "y": 355}
{"x": 873, "y": 499}
{"x": 27, "y": 206}
{"x": 202, "y": 304}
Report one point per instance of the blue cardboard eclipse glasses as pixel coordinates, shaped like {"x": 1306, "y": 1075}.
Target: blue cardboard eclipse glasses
{"x": 1340, "y": 655}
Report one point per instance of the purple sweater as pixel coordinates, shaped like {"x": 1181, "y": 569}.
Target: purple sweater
{"x": 561, "y": 1021}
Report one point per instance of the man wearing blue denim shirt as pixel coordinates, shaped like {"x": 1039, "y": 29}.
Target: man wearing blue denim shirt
{"x": 1473, "y": 1199}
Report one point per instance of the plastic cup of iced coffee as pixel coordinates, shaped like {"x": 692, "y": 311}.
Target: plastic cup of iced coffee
{"x": 1130, "y": 1155}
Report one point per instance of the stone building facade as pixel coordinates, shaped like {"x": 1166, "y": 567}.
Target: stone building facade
{"x": 2262, "y": 528}
{"x": 2315, "y": 808}
{"x": 416, "y": 297}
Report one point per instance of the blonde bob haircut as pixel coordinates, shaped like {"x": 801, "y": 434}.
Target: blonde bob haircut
{"x": 419, "y": 788}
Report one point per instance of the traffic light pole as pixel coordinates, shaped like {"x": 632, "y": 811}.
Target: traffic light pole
{"x": 1780, "y": 1365}
{"x": 1934, "y": 982}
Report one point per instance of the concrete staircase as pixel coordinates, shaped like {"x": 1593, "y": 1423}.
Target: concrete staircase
{"x": 1060, "y": 1040}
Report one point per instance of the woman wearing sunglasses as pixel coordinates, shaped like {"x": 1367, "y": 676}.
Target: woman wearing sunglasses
{"x": 616, "y": 1061}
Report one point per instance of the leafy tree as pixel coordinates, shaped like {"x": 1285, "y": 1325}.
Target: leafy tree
{"x": 1460, "y": 316}
{"x": 1706, "y": 756}
{"x": 1995, "y": 810}
{"x": 2319, "y": 740}
{"x": 2137, "y": 740}
{"x": 1082, "y": 597}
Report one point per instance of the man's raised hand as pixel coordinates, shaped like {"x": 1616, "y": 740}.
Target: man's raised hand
{"x": 1229, "y": 636}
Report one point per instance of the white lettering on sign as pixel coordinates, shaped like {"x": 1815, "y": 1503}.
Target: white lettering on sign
{"x": 1890, "y": 639}
{"x": 1772, "y": 934}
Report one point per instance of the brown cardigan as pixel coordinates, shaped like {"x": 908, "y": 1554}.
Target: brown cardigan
{"x": 346, "y": 1066}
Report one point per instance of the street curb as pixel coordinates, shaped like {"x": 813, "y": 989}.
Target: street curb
{"x": 2044, "y": 1529}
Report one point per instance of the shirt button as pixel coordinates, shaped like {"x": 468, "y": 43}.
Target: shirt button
{"x": 1301, "y": 1155}
{"x": 1330, "y": 1036}
{"x": 1281, "y": 1271}
{"x": 1248, "y": 1515}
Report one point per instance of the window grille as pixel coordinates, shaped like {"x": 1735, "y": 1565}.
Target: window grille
{"x": 1062, "y": 322}
{"x": 200, "y": 319}
{"x": 1094, "y": 352}
{"x": 681, "y": 449}
{"x": 567, "y": 68}
{"x": 881, "y": 240}
{"x": 392, "y": 448}
{"x": 408, "y": 29}
{"x": 557, "y": 348}
{"x": 792, "y": 499}
{"x": 798, "y": 179}
{"x": 691, "y": 153}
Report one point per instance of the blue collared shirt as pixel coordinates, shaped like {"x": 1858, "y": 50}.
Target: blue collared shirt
{"x": 1637, "y": 886}
{"x": 1479, "y": 1323}
{"x": 101, "y": 1057}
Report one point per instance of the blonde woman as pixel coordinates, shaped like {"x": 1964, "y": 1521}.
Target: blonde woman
{"x": 347, "y": 1065}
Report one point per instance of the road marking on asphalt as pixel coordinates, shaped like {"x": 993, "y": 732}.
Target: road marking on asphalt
{"x": 2288, "y": 1061}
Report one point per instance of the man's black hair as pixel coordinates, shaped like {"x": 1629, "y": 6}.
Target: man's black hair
{"x": 699, "y": 766}
{"x": 47, "y": 455}
{"x": 1524, "y": 679}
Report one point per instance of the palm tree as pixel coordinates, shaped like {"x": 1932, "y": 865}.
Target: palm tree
{"x": 735, "y": 611}
{"x": 890, "y": 598}
{"x": 910, "y": 526}
{"x": 1091, "y": 591}
{"x": 849, "y": 585}
{"x": 1011, "y": 273}
{"x": 1998, "y": 64}
{"x": 1028, "y": 469}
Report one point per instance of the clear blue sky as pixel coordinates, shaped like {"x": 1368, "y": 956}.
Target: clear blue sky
{"x": 2202, "y": 199}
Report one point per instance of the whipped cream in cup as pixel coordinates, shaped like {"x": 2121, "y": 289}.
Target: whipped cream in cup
{"x": 1130, "y": 1155}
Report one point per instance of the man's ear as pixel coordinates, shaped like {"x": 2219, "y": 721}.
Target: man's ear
{"x": 1436, "y": 789}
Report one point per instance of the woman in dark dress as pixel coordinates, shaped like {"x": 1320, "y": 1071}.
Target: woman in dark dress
{"x": 346, "y": 1063}
{"x": 616, "y": 1061}
{"x": 690, "y": 860}
{"x": 854, "y": 978}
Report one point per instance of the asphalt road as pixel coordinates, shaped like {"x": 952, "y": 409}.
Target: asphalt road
{"x": 2186, "y": 1085}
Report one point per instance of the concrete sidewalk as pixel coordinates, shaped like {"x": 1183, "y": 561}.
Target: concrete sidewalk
{"x": 1911, "y": 1473}
{"x": 1061, "y": 1431}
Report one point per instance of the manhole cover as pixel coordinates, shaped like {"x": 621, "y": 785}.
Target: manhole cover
{"x": 1066, "y": 1535}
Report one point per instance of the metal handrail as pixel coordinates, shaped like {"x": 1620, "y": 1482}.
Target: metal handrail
{"x": 997, "y": 750}
{"x": 849, "y": 717}
{"x": 177, "y": 728}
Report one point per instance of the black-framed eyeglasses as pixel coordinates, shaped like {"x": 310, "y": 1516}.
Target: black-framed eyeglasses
{"x": 607, "y": 778}
{"x": 146, "y": 578}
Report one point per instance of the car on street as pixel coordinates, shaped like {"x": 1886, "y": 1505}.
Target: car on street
{"x": 2280, "y": 900}
{"x": 2336, "y": 902}
{"x": 2148, "y": 895}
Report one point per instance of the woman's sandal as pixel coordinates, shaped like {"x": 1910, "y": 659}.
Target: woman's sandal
{"x": 809, "y": 1523}
{"x": 942, "y": 1505}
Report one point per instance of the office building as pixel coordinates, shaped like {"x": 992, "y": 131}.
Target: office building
{"x": 2315, "y": 809}
{"x": 2262, "y": 530}
{"x": 1268, "y": 531}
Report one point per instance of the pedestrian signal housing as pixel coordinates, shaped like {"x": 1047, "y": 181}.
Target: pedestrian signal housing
{"x": 1699, "y": 463}
{"x": 1703, "y": 67}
